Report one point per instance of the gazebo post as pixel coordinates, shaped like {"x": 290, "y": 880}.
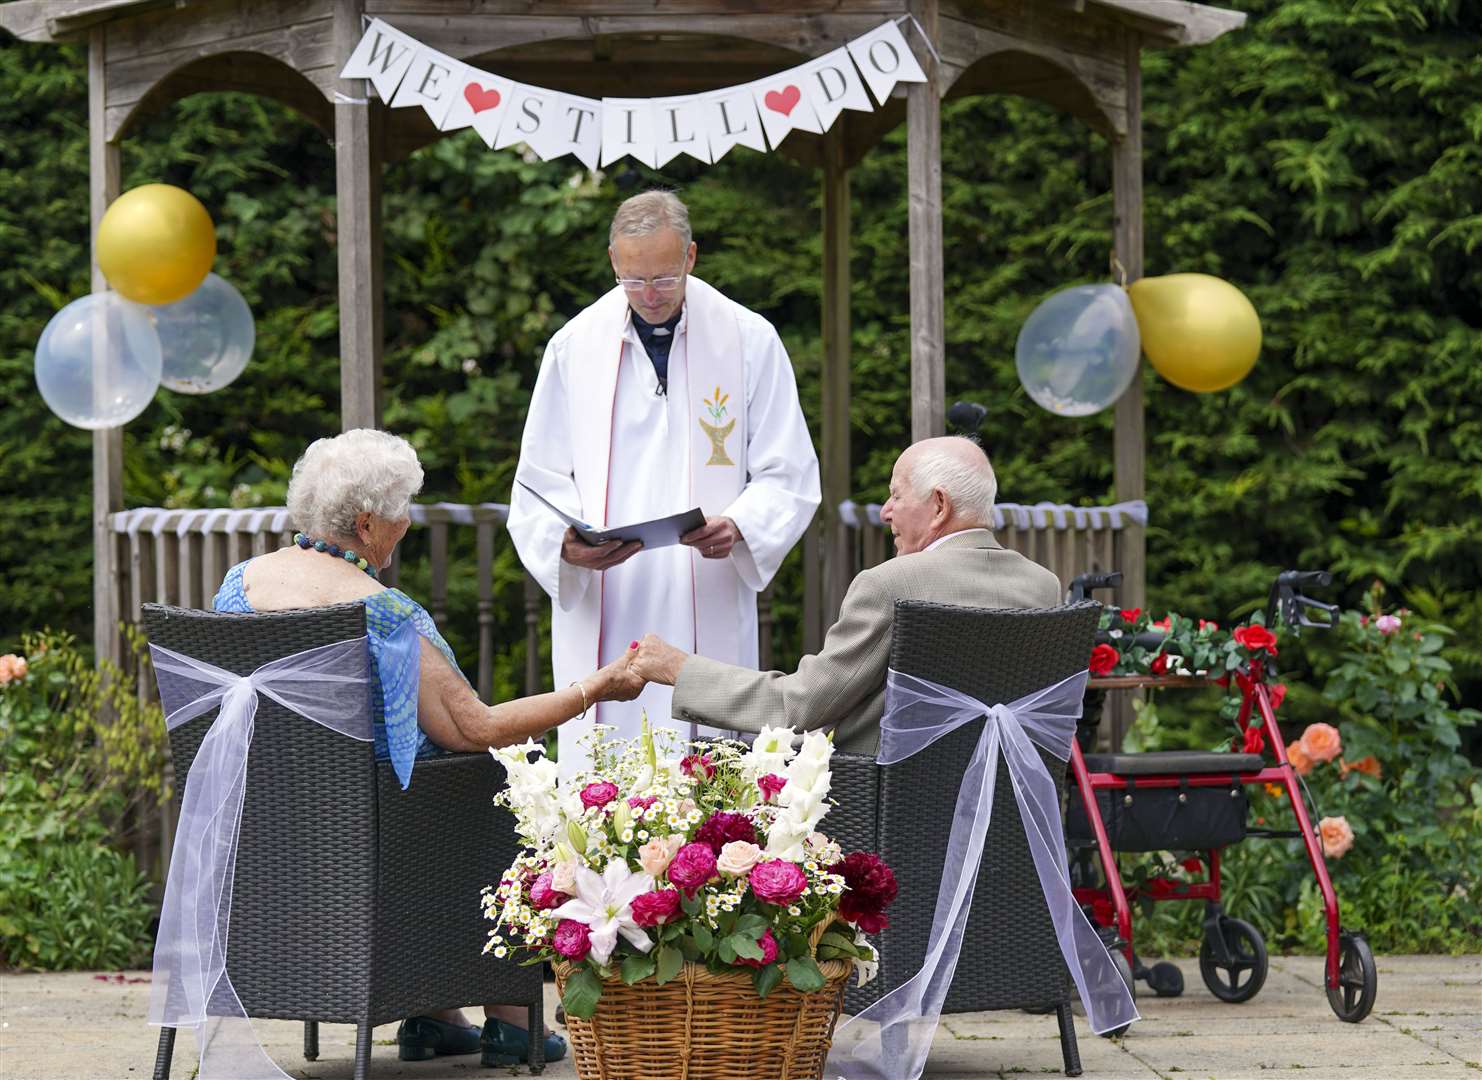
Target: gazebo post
{"x": 104, "y": 179}
{"x": 924, "y": 183}
{"x": 836, "y": 366}
{"x": 359, "y": 126}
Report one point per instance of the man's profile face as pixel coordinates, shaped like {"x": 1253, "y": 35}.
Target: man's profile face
{"x": 660, "y": 254}
{"x": 909, "y": 516}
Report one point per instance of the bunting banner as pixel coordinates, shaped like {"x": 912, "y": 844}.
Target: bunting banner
{"x": 810, "y": 97}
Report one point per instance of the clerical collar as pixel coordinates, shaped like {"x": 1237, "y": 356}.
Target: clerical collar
{"x": 647, "y": 331}
{"x": 656, "y": 339}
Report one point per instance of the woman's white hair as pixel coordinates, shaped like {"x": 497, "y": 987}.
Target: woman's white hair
{"x": 339, "y": 478}
{"x": 646, "y": 214}
{"x": 957, "y": 466}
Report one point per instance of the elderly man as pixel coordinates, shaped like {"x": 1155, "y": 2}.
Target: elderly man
{"x": 662, "y": 396}
{"x": 940, "y": 510}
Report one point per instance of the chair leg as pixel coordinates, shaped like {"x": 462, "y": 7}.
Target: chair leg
{"x": 535, "y": 1025}
{"x": 311, "y": 1040}
{"x": 164, "y": 1053}
{"x": 362, "y": 1051}
{"x": 1068, "y": 1048}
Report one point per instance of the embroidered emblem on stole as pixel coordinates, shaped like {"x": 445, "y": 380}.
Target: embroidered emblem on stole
{"x": 716, "y": 406}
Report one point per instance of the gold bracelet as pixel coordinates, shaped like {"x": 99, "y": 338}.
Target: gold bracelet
{"x": 584, "y": 705}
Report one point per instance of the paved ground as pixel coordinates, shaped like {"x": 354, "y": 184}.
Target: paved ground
{"x": 1426, "y": 1025}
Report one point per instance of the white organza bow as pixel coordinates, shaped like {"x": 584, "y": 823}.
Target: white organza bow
{"x": 191, "y": 988}
{"x": 891, "y": 1038}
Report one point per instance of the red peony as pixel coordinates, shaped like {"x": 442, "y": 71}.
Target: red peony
{"x": 697, "y": 766}
{"x": 1103, "y": 659}
{"x": 599, "y": 794}
{"x": 572, "y": 940}
{"x": 723, "y": 827}
{"x": 769, "y": 951}
{"x": 777, "y": 881}
{"x": 692, "y": 867}
{"x": 771, "y": 784}
{"x": 1159, "y": 666}
{"x": 1256, "y": 638}
{"x": 656, "y": 908}
{"x": 543, "y": 896}
{"x": 869, "y": 887}
{"x": 1129, "y": 615}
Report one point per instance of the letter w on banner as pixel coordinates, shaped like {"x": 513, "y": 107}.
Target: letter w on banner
{"x": 383, "y": 56}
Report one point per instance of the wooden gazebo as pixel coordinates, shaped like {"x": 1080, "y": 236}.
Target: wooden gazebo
{"x": 1082, "y": 56}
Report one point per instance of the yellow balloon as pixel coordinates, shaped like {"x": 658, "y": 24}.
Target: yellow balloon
{"x": 1199, "y": 332}
{"x": 156, "y": 244}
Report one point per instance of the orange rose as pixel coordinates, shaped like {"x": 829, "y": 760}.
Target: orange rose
{"x": 1321, "y": 742}
{"x": 1368, "y": 765}
{"x": 1299, "y": 759}
{"x": 1337, "y": 837}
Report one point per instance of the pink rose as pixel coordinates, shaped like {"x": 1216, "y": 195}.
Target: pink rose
{"x": 778, "y": 881}
{"x": 737, "y": 858}
{"x": 769, "y": 951}
{"x": 572, "y": 940}
{"x": 1320, "y": 742}
{"x": 1387, "y": 624}
{"x": 656, "y": 855}
{"x": 698, "y": 766}
{"x": 771, "y": 784}
{"x": 656, "y": 908}
{"x": 546, "y": 896}
{"x": 12, "y": 667}
{"x": 643, "y": 803}
{"x": 563, "y": 878}
{"x": 1337, "y": 836}
{"x": 722, "y": 827}
{"x": 692, "y": 867}
{"x": 598, "y": 794}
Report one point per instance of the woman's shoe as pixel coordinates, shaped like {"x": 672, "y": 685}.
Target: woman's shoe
{"x": 505, "y": 1044}
{"x": 421, "y": 1038}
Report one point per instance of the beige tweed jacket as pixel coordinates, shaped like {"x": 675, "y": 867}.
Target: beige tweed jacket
{"x": 843, "y": 685}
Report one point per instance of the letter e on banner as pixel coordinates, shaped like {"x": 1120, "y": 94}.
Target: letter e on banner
{"x": 383, "y": 56}
{"x": 884, "y": 59}
{"x": 432, "y": 81}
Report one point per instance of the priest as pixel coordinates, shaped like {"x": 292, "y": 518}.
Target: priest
{"x": 662, "y": 396}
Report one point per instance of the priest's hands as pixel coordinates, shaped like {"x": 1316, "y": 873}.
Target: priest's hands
{"x": 714, "y": 539}
{"x": 578, "y": 552}
{"x": 656, "y": 661}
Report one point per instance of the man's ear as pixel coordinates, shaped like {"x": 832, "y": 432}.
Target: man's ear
{"x": 689, "y": 262}
{"x": 942, "y": 510}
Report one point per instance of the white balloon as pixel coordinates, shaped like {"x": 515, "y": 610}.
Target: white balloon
{"x": 206, "y": 338}
{"x": 98, "y": 361}
{"x": 1078, "y": 350}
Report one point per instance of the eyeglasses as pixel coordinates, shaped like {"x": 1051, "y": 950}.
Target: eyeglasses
{"x": 665, "y": 284}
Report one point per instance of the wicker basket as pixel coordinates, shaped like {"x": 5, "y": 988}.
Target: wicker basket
{"x": 704, "y": 1026}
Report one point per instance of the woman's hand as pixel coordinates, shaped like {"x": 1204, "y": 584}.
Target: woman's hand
{"x": 618, "y": 681}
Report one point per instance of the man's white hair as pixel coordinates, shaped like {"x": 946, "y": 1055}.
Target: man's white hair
{"x": 959, "y": 468}
{"x": 646, "y": 214}
{"x": 339, "y": 478}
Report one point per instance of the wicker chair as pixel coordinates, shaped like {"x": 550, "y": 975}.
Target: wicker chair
{"x": 354, "y": 901}
{"x": 1010, "y": 957}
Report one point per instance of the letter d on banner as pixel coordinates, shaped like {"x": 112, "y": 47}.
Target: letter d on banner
{"x": 884, "y": 59}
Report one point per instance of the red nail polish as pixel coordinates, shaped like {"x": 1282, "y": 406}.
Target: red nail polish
{"x": 632, "y": 644}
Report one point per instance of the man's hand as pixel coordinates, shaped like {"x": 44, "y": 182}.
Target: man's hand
{"x": 619, "y": 680}
{"x": 578, "y": 552}
{"x": 657, "y": 661}
{"x": 715, "y": 538}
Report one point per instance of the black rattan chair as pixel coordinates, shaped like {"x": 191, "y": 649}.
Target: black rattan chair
{"x": 1010, "y": 958}
{"x": 353, "y": 902}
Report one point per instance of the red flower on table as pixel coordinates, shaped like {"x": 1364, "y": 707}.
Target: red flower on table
{"x": 656, "y": 907}
{"x": 697, "y": 766}
{"x": 1129, "y": 615}
{"x": 572, "y": 940}
{"x": 723, "y": 827}
{"x": 869, "y": 887}
{"x": 1103, "y": 659}
{"x": 1256, "y": 638}
{"x": 1159, "y": 666}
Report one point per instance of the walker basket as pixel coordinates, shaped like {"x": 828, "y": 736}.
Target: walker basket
{"x": 706, "y": 1026}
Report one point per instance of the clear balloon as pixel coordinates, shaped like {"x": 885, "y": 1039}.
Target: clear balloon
{"x": 206, "y": 338}
{"x": 1078, "y": 350}
{"x": 98, "y": 361}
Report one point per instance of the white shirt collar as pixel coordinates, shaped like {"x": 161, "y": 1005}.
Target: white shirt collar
{"x": 960, "y": 532}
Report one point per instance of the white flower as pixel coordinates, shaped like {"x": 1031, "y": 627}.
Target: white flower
{"x": 604, "y": 904}
{"x": 769, "y": 753}
{"x": 737, "y": 858}
{"x": 866, "y": 970}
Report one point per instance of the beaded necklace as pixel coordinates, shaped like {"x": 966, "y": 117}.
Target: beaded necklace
{"x": 304, "y": 541}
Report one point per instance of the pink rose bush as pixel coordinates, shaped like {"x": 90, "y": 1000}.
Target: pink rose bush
{"x": 663, "y": 854}
{"x": 12, "y": 668}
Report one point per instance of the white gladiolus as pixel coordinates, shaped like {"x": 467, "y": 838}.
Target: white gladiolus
{"x": 532, "y": 790}
{"x": 769, "y": 753}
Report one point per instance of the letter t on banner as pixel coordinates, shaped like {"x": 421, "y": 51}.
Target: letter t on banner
{"x": 383, "y": 56}
{"x": 885, "y": 59}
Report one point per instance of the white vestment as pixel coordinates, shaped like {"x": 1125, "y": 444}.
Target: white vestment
{"x": 603, "y": 444}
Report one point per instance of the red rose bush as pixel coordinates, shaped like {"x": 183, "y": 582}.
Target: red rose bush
{"x": 663, "y": 854}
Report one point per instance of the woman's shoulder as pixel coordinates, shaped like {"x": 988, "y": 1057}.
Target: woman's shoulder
{"x": 231, "y": 596}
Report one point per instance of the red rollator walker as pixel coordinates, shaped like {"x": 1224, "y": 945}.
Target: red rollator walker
{"x": 1195, "y": 801}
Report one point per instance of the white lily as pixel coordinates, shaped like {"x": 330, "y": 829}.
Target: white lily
{"x": 604, "y": 904}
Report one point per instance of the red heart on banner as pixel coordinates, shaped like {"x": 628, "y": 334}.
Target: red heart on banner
{"x": 783, "y": 101}
{"x": 480, "y": 99}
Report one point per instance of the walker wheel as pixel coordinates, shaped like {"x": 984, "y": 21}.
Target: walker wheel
{"x": 1165, "y": 979}
{"x": 1358, "y": 979}
{"x": 1124, "y": 969}
{"x": 1234, "y": 965}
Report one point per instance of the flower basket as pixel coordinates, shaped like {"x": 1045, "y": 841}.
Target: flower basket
{"x": 706, "y": 1026}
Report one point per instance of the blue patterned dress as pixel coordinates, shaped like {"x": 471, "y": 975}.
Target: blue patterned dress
{"x": 393, "y": 623}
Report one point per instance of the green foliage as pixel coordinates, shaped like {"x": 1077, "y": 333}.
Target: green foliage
{"x": 78, "y": 754}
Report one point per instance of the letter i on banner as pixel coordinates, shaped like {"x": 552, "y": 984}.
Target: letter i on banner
{"x": 679, "y": 128}
{"x": 383, "y": 56}
{"x": 480, "y": 103}
{"x": 731, "y": 120}
{"x": 784, "y": 106}
{"x": 432, "y": 81}
{"x": 885, "y": 59}
{"x": 833, "y": 86}
{"x": 628, "y": 130}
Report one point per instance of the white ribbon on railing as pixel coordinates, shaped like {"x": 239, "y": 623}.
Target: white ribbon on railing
{"x": 891, "y": 1038}
{"x": 191, "y": 988}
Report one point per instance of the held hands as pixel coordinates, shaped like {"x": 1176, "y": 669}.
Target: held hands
{"x": 617, "y": 681}
{"x": 656, "y": 661}
{"x": 713, "y": 540}
{"x": 578, "y": 552}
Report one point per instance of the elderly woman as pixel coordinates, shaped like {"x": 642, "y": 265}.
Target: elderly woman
{"x": 350, "y": 497}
